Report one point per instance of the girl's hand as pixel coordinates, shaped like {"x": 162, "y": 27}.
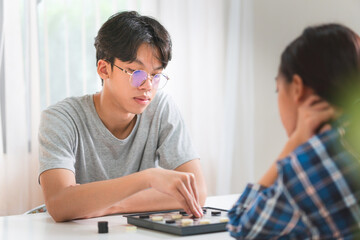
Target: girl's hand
{"x": 313, "y": 116}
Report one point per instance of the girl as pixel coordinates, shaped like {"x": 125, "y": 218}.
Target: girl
{"x": 313, "y": 190}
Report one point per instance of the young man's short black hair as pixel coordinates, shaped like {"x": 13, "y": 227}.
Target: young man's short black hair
{"x": 123, "y": 33}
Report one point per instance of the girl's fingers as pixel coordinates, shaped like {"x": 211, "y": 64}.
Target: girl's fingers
{"x": 325, "y": 128}
{"x": 327, "y": 114}
{"x": 320, "y": 118}
{"x": 313, "y": 99}
{"x": 321, "y": 106}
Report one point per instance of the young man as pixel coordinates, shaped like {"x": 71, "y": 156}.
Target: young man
{"x": 98, "y": 152}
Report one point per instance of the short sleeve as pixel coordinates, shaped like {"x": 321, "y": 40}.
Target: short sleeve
{"x": 174, "y": 144}
{"x": 56, "y": 141}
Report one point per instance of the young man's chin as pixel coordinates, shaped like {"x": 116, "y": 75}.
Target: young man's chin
{"x": 139, "y": 110}
{"x": 140, "y": 105}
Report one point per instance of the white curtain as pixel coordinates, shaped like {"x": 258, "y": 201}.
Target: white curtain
{"x": 19, "y": 190}
{"x": 211, "y": 81}
{"x": 211, "y": 72}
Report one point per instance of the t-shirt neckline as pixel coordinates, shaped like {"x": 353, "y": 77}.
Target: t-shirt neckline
{"x": 102, "y": 126}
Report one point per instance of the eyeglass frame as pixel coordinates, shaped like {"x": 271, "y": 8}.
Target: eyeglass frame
{"x": 148, "y": 75}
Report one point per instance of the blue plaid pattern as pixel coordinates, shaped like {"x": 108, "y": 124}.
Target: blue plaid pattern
{"x": 316, "y": 196}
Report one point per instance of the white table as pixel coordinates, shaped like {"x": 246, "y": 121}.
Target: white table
{"x": 42, "y": 226}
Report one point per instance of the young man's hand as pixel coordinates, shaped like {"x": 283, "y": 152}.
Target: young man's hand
{"x": 179, "y": 185}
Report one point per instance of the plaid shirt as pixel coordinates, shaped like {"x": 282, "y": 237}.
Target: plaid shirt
{"x": 316, "y": 195}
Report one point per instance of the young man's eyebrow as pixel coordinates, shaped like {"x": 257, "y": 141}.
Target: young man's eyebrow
{"x": 142, "y": 64}
{"x": 139, "y": 62}
{"x": 159, "y": 68}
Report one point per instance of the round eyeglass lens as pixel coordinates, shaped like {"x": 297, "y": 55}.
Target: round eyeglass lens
{"x": 138, "y": 77}
{"x": 159, "y": 81}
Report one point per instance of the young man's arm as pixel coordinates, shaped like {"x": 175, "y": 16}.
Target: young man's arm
{"x": 152, "y": 200}
{"x": 66, "y": 200}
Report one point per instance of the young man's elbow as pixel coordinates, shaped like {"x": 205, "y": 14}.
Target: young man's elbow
{"x": 59, "y": 219}
{"x": 56, "y": 216}
{"x": 56, "y": 213}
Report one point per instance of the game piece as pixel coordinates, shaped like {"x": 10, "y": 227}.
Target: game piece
{"x": 204, "y": 221}
{"x": 130, "y": 228}
{"x": 103, "y": 227}
{"x": 183, "y": 213}
{"x": 176, "y": 216}
{"x": 224, "y": 219}
{"x": 215, "y": 213}
{"x": 169, "y": 221}
{"x": 186, "y": 222}
{"x": 157, "y": 218}
{"x": 144, "y": 216}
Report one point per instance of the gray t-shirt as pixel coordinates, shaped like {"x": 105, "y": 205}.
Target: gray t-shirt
{"x": 72, "y": 136}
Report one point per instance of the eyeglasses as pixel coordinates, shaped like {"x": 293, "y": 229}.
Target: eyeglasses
{"x": 139, "y": 77}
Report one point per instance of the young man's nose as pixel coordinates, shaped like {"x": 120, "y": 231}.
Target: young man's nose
{"x": 147, "y": 84}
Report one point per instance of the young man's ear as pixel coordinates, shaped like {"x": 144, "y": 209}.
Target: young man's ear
{"x": 103, "y": 69}
{"x": 301, "y": 92}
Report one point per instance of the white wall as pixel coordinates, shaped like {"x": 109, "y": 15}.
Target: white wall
{"x": 276, "y": 24}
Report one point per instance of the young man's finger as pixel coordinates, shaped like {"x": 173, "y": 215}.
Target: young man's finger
{"x": 194, "y": 188}
{"x": 182, "y": 200}
{"x": 189, "y": 199}
{"x": 191, "y": 185}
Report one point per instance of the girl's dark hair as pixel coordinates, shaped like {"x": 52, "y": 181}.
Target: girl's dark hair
{"x": 327, "y": 58}
{"x": 123, "y": 33}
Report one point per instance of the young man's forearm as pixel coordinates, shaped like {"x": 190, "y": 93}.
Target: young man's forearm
{"x": 85, "y": 200}
{"x": 149, "y": 200}
{"x": 152, "y": 200}
{"x": 111, "y": 196}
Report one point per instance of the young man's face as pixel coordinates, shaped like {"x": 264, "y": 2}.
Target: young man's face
{"x": 126, "y": 97}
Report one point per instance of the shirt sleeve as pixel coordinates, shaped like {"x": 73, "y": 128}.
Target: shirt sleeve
{"x": 263, "y": 213}
{"x": 174, "y": 144}
{"x": 56, "y": 141}
{"x": 313, "y": 197}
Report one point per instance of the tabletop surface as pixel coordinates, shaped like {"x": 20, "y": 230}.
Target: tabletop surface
{"x": 42, "y": 226}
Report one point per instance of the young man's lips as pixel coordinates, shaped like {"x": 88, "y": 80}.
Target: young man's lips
{"x": 142, "y": 100}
